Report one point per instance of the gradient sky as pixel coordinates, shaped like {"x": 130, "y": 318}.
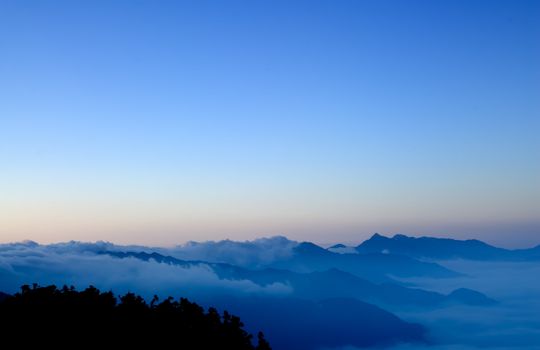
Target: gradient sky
{"x": 157, "y": 122}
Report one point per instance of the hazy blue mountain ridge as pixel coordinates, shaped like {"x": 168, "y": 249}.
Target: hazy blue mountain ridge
{"x": 444, "y": 248}
{"x": 317, "y": 285}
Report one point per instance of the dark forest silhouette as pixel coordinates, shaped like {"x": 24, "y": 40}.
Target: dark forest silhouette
{"x": 67, "y": 318}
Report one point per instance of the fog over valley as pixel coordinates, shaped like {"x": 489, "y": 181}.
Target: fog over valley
{"x": 387, "y": 291}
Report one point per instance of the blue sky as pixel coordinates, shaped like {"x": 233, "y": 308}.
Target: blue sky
{"x": 162, "y": 121}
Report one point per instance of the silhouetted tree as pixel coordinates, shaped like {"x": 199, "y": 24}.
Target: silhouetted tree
{"x": 263, "y": 344}
{"x": 66, "y": 318}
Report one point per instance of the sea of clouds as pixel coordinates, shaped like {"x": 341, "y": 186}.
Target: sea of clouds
{"x": 514, "y": 323}
{"x": 80, "y": 265}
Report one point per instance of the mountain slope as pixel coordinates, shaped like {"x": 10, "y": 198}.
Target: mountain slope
{"x": 443, "y": 248}
{"x": 308, "y": 257}
{"x": 292, "y": 323}
{"x": 319, "y": 311}
{"x": 317, "y": 285}
{"x": 376, "y": 267}
{"x": 342, "y": 249}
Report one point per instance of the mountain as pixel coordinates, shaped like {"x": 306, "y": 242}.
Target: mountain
{"x": 528, "y": 254}
{"x": 292, "y": 323}
{"x": 323, "y": 308}
{"x": 335, "y": 283}
{"x": 337, "y": 246}
{"x": 3, "y": 296}
{"x": 309, "y": 257}
{"x": 282, "y": 253}
{"x": 470, "y": 297}
{"x": 318, "y": 285}
{"x": 443, "y": 249}
{"x": 342, "y": 249}
{"x": 160, "y": 258}
{"x": 375, "y": 267}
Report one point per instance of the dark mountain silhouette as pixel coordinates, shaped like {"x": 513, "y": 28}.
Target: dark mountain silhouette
{"x": 332, "y": 283}
{"x": 292, "y": 323}
{"x": 55, "y": 317}
{"x": 308, "y": 257}
{"x": 337, "y": 246}
{"x": 303, "y": 296}
{"x": 443, "y": 248}
{"x": 157, "y": 257}
{"x": 341, "y": 249}
{"x": 302, "y": 257}
{"x": 375, "y": 267}
{"x": 3, "y": 296}
{"x": 335, "y": 283}
{"x": 338, "y": 284}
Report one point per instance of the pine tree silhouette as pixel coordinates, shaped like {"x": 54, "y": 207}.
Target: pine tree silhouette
{"x": 67, "y": 319}
{"x": 263, "y": 344}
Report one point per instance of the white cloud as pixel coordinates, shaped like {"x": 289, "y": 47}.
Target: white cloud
{"x": 78, "y": 264}
{"x": 249, "y": 253}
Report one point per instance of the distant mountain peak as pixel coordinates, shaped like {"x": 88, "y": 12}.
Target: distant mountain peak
{"x": 308, "y": 247}
{"x": 441, "y": 248}
{"x": 342, "y": 249}
{"x": 337, "y": 246}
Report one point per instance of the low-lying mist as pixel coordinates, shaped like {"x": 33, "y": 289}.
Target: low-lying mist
{"x": 513, "y": 323}
{"x": 78, "y": 264}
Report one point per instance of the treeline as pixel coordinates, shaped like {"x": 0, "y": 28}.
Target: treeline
{"x": 67, "y": 318}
